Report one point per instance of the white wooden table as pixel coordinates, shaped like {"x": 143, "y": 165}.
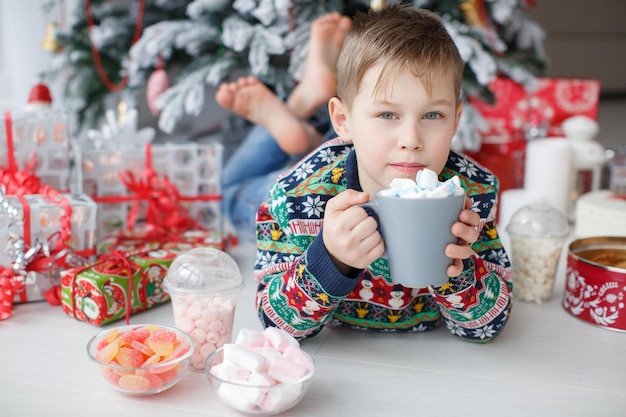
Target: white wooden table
{"x": 545, "y": 363}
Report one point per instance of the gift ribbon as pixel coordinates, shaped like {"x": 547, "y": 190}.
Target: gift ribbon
{"x": 116, "y": 263}
{"x": 7, "y": 292}
{"x": 148, "y": 237}
{"x": 35, "y": 256}
{"x": 8, "y": 127}
{"x": 164, "y": 211}
{"x": 14, "y": 181}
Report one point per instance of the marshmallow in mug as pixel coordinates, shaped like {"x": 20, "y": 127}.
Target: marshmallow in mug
{"x": 426, "y": 185}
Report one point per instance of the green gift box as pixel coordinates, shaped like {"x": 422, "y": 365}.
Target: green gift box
{"x": 116, "y": 286}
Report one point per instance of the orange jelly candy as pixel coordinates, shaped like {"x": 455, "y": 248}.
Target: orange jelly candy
{"x": 161, "y": 341}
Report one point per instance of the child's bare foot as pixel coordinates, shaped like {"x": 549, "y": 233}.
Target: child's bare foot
{"x": 319, "y": 79}
{"x": 251, "y": 99}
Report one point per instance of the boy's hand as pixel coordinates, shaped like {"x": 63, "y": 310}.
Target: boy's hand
{"x": 467, "y": 231}
{"x": 350, "y": 235}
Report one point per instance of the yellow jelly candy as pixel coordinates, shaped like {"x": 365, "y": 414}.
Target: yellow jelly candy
{"x": 161, "y": 341}
{"x": 136, "y": 383}
{"x": 108, "y": 353}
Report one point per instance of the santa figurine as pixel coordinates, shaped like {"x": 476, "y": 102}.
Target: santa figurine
{"x": 40, "y": 98}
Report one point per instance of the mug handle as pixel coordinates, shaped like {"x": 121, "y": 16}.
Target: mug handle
{"x": 369, "y": 204}
{"x": 372, "y": 206}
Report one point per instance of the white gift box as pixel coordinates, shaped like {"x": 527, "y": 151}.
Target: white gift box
{"x": 193, "y": 168}
{"x": 39, "y": 140}
{"x": 35, "y": 217}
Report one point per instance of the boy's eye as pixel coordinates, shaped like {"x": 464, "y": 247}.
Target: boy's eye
{"x": 432, "y": 116}
{"x": 387, "y": 116}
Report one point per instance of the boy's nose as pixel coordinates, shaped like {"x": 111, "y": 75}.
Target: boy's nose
{"x": 410, "y": 137}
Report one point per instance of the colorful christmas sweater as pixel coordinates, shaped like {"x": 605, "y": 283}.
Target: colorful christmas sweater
{"x": 300, "y": 290}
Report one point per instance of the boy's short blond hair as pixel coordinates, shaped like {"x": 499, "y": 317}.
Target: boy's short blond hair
{"x": 398, "y": 37}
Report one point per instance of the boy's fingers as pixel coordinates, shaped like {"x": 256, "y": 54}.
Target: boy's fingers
{"x": 347, "y": 199}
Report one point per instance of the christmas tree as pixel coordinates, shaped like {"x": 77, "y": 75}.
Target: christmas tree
{"x": 192, "y": 44}
{"x": 92, "y": 51}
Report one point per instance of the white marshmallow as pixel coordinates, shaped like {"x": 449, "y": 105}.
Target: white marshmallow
{"x": 268, "y": 352}
{"x": 230, "y": 372}
{"x": 284, "y": 370}
{"x": 240, "y": 398}
{"x": 439, "y": 192}
{"x": 260, "y": 380}
{"x": 279, "y": 397}
{"x": 402, "y": 183}
{"x": 426, "y": 179}
{"x": 426, "y": 185}
{"x": 243, "y": 357}
{"x": 297, "y": 355}
{"x": 250, "y": 338}
{"x": 279, "y": 338}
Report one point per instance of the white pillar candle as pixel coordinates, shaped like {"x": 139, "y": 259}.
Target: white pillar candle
{"x": 548, "y": 171}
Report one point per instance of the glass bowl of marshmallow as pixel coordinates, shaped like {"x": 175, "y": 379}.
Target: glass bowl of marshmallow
{"x": 261, "y": 372}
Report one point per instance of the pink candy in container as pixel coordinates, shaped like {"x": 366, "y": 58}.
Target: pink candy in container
{"x": 203, "y": 284}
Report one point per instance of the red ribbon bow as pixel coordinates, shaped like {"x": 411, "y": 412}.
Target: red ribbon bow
{"x": 21, "y": 183}
{"x": 164, "y": 211}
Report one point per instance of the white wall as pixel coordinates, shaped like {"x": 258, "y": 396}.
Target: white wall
{"x": 22, "y": 29}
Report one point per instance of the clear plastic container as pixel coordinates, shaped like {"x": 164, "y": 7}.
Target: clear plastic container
{"x": 537, "y": 233}
{"x": 203, "y": 284}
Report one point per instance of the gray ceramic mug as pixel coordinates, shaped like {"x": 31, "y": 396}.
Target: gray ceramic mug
{"x": 416, "y": 232}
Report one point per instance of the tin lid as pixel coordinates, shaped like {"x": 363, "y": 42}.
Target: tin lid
{"x": 538, "y": 220}
{"x": 203, "y": 271}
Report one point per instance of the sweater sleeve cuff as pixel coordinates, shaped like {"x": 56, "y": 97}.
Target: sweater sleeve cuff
{"x": 320, "y": 265}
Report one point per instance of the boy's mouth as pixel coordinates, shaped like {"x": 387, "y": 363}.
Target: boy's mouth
{"x": 408, "y": 167}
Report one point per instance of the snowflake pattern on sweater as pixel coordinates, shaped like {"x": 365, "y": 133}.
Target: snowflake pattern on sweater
{"x": 300, "y": 290}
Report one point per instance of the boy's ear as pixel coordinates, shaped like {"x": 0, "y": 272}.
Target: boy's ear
{"x": 459, "y": 111}
{"x": 337, "y": 111}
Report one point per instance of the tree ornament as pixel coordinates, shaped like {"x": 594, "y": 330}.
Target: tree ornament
{"x": 471, "y": 14}
{"x": 39, "y": 98}
{"x": 50, "y": 42}
{"x": 158, "y": 83}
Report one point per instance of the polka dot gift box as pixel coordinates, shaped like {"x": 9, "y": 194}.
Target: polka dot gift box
{"x": 38, "y": 141}
{"x": 181, "y": 181}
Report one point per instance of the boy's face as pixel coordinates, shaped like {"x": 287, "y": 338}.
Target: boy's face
{"x": 400, "y": 130}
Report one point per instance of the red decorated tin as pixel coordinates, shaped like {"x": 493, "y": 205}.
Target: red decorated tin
{"x": 595, "y": 284}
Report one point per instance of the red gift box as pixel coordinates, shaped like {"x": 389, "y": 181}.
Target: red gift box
{"x": 515, "y": 109}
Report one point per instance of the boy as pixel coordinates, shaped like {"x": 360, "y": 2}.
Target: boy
{"x": 319, "y": 253}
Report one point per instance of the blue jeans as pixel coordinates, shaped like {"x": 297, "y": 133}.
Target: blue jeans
{"x": 251, "y": 172}
{"x": 247, "y": 178}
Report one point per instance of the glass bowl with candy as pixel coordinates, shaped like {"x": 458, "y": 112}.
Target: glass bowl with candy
{"x": 261, "y": 373}
{"x": 141, "y": 359}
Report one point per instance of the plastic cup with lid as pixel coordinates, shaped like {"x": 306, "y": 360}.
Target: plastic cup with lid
{"x": 537, "y": 233}
{"x": 203, "y": 284}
